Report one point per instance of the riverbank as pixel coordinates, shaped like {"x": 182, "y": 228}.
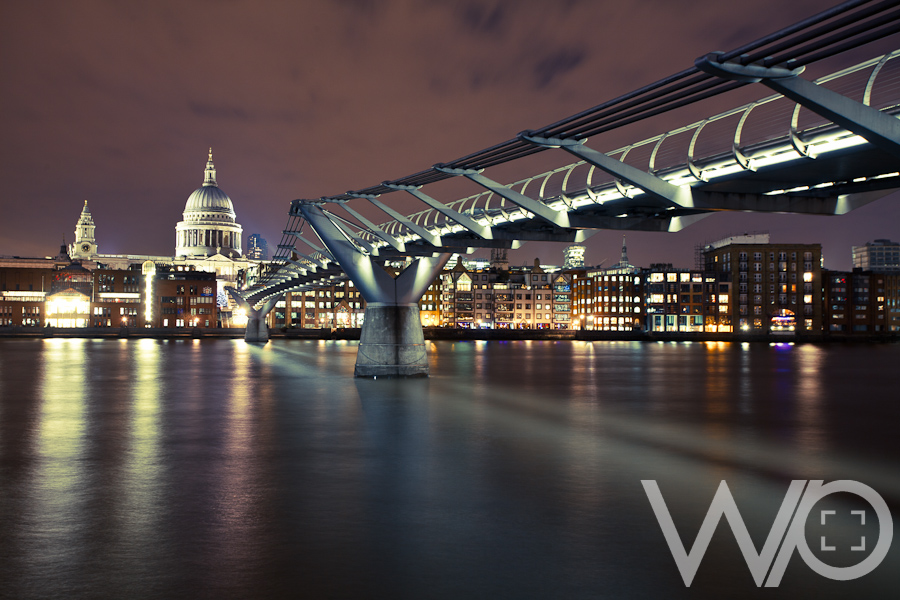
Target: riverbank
{"x": 440, "y": 333}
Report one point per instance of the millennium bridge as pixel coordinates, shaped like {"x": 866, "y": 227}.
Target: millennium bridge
{"x": 822, "y": 146}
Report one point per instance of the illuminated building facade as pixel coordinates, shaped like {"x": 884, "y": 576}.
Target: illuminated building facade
{"x": 514, "y": 299}
{"x": 336, "y": 306}
{"x": 687, "y": 300}
{"x": 861, "y": 302}
{"x": 430, "y": 305}
{"x": 73, "y": 296}
{"x": 573, "y": 257}
{"x": 182, "y": 298}
{"x": 340, "y": 306}
{"x": 778, "y": 287}
{"x": 610, "y": 299}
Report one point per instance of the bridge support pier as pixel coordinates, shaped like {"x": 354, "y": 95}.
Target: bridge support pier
{"x": 392, "y": 343}
{"x": 257, "y": 331}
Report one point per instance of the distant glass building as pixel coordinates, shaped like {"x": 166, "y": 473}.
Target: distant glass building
{"x": 574, "y": 257}
{"x": 257, "y": 247}
{"x": 878, "y": 256}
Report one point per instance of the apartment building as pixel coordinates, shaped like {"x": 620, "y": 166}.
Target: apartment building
{"x": 778, "y": 286}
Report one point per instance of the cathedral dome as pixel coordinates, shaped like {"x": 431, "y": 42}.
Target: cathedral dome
{"x": 209, "y": 226}
{"x": 209, "y": 201}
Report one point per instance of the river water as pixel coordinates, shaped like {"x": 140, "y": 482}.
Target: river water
{"x": 216, "y": 469}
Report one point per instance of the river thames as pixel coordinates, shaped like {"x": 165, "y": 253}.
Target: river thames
{"x": 148, "y": 468}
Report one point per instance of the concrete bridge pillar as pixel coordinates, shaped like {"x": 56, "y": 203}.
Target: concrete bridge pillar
{"x": 392, "y": 343}
{"x": 257, "y": 331}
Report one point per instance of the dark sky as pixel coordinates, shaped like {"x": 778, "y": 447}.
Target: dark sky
{"x": 117, "y": 103}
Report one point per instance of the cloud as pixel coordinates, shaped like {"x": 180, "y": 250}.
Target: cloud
{"x": 483, "y": 17}
{"x": 557, "y": 64}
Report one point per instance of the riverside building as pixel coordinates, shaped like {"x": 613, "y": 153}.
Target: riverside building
{"x": 518, "y": 298}
{"x": 687, "y": 300}
{"x": 70, "y": 295}
{"x": 778, "y": 286}
{"x": 610, "y": 299}
{"x": 861, "y": 303}
{"x": 335, "y": 306}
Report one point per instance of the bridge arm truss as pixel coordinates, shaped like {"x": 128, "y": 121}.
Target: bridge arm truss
{"x": 880, "y": 129}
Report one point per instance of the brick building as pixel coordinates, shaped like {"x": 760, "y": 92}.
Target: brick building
{"x": 861, "y": 302}
{"x": 778, "y": 286}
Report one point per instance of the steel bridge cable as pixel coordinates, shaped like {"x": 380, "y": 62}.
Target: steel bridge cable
{"x": 515, "y": 149}
{"x": 282, "y": 253}
{"x": 789, "y": 47}
{"x": 828, "y": 48}
{"x": 726, "y": 86}
{"x": 706, "y": 88}
{"x": 577, "y": 126}
{"x": 603, "y": 115}
{"x": 767, "y": 57}
{"x": 574, "y": 128}
{"x": 790, "y": 30}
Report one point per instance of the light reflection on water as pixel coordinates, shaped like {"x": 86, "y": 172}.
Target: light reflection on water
{"x": 144, "y": 468}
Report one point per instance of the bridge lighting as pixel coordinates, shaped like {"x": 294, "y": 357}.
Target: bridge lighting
{"x": 240, "y": 317}
{"x": 723, "y": 171}
{"x": 839, "y": 144}
{"x": 775, "y": 159}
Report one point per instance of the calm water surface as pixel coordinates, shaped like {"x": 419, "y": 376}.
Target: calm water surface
{"x": 218, "y": 469}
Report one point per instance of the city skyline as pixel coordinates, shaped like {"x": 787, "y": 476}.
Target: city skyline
{"x": 118, "y": 105}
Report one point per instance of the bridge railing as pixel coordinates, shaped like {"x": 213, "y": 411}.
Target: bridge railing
{"x": 766, "y": 131}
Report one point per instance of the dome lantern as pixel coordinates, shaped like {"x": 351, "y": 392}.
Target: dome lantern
{"x": 209, "y": 175}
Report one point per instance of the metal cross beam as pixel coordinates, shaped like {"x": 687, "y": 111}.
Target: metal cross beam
{"x": 879, "y": 129}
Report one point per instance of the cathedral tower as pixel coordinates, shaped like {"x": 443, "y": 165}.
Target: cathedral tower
{"x": 85, "y": 245}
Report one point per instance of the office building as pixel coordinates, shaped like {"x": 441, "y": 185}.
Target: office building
{"x": 880, "y": 256}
